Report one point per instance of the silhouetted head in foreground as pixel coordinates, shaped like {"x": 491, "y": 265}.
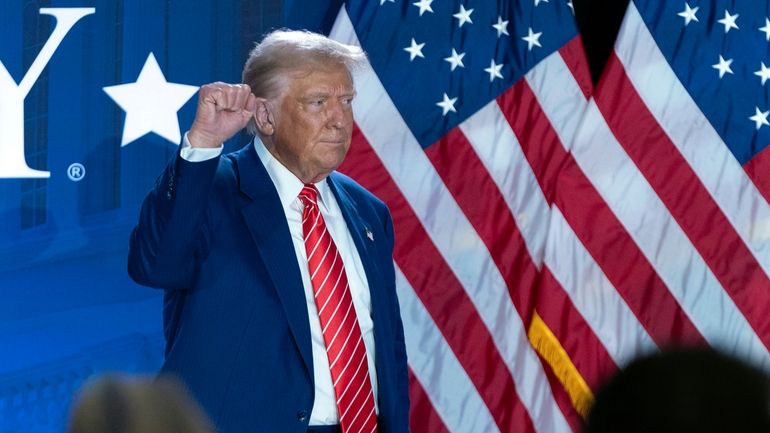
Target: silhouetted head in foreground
{"x": 118, "y": 404}
{"x": 682, "y": 391}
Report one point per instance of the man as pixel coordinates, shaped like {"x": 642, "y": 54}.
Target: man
{"x": 250, "y": 246}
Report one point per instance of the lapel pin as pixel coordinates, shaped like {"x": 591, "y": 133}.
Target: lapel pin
{"x": 369, "y": 234}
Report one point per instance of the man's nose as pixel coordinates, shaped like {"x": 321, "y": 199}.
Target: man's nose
{"x": 337, "y": 115}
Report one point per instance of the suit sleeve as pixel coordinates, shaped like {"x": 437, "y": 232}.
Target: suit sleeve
{"x": 169, "y": 240}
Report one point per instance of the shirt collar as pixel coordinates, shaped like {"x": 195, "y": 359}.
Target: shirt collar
{"x": 286, "y": 183}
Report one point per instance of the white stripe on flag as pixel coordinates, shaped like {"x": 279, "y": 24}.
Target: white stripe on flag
{"x": 454, "y": 237}
{"x": 564, "y": 104}
{"x": 492, "y": 139}
{"x": 444, "y": 380}
{"x": 570, "y": 263}
{"x": 687, "y": 127}
{"x": 654, "y": 230}
{"x": 592, "y": 294}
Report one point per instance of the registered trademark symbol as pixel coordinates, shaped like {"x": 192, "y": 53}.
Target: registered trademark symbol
{"x": 76, "y": 172}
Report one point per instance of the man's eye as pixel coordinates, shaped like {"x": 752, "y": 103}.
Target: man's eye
{"x": 316, "y": 102}
{"x": 347, "y": 101}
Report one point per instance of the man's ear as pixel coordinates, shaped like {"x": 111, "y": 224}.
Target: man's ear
{"x": 264, "y": 117}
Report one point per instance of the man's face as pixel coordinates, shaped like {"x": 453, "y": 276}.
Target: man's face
{"x": 314, "y": 122}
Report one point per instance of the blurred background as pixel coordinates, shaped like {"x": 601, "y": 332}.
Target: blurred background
{"x": 68, "y": 308}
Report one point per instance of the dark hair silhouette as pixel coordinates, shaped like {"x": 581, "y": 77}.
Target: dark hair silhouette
{"x": 680, "y": 391}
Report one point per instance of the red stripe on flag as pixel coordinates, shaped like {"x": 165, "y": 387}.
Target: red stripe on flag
{"x": 536, "y": 137}
{"x": 574, "y": 56}
{"x": 685, "y": 197}
{"x": 623, "y": 263}
{"x": 442, "y": 294}
{"x": 594, "y": 223}
{"x": 422, "y": 417}
{"x": 757, "y": 170}
{"x": 483, "y": 204}
{"x": 585, "y": 350}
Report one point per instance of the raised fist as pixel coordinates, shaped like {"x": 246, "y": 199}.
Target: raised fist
{"x": 223, "y": 110}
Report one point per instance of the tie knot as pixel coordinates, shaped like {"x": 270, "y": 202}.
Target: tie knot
{"x": 308, "y": 195}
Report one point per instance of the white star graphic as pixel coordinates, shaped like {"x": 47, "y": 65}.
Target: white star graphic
{"x": 447, "y": 105}
{"x": 501, "y": 27}
{"x": 463, "y": 16}
{"x": 688, "y": 14}
{"x": 729, "y": 21}
{"x": 766, "y": 29}
{"x": 763, "y": 73}
{"x": 723, "y": 66}
{"x": 760, "y": 118}
{"x": 537, "y": 2}
{"x": 532, "y": 39}
{"x": 415, "y": 50}
{"x": 494, "y": 70}
{"x": 455, "y": 59}
{"x": 151, "y": 104}
{"x": 424, "y": 5}
{"x": 382, "y": 2}
{"x": 571, "y": 6}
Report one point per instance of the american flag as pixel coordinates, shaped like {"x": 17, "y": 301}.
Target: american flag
{"x": 547, "y": 232}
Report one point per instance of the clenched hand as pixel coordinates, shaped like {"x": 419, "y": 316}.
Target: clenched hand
{"x": 223, "y": 110}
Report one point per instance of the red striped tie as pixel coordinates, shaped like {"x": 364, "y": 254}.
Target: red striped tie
{"x": 344, "y": 344}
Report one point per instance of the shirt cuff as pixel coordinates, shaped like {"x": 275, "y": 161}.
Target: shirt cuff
{"x": 198, "y": 154}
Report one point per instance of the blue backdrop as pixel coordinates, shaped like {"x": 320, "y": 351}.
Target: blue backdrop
{"x": 68, "y": 308}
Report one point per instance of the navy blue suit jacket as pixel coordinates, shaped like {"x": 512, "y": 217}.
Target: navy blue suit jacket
{"x": 213, "y": 235}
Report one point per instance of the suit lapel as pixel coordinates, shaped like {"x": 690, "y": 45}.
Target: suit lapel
{"x": 267, "y": 223}
{"x": 360, "y": 230}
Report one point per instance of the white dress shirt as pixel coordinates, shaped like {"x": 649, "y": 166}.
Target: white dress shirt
{"x": 289, "y": 186}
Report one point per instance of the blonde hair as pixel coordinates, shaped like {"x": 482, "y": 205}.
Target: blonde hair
{"x": 120, "y": 404}
{"x": 282, "y": 52}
